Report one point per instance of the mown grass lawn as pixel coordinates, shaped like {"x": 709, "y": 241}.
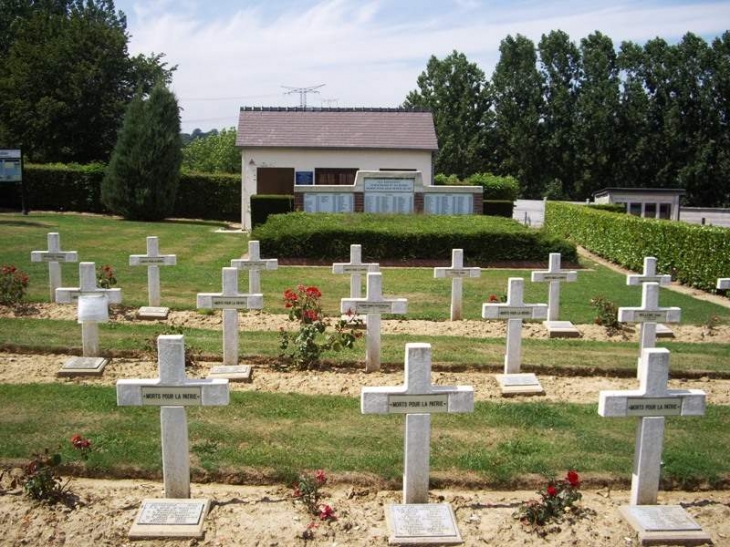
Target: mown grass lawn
{"x": 202, "y": 252}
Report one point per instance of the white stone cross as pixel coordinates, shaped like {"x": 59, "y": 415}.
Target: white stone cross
{"x": 255, "y": 264}
{"x": 723, "y": 283}
{"x": 153, "y": 260}
{"x": 649, "y": 274}
{"x": 172, "y": 392}
{"x": 373, "y": 305}
{"x": 230, "y": 301}
{"x": 456, "y": 272}
{"x": 54, "y": 256}
{"x": 418, "y": 399}
{"x": 355, "y": 268}
{"x": 514, "y": 311}
{"x": 87, "y": 287}
{"x": 649, "y": 314}
{"x": 650, "y": 403}
{"x": 554, "y": 275}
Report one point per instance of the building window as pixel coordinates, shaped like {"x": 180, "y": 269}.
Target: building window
{"x": 339, "y": 176}
{"x": 665, "y": 211}
{"x": 634, "y": 209}
{"x": 650, "y": 210}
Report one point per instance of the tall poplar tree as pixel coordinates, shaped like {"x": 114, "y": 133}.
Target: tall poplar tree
{"x": 142, "y": 178}
{"x": 457, "y": 93}
{"x": 518, "y": 105}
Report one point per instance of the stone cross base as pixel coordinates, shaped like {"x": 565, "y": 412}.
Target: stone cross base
{"x": 519, "y": 384}
{"x": 83, "y": 366}
{"x": 664, "y": 525}
{"x": 176, "y": 518}
{"x": 233, "y": 373}
{"x": 422, "y": 524}
{"x": 561, "y": 329}
{"x": 153, "y": 312}
{"x": 663, "y": 331}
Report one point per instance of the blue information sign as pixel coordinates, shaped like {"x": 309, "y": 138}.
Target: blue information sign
{"x": 304, "y": 177}
{"x": 11, "y": 169}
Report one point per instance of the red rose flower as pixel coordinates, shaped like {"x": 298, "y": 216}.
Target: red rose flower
{"x": 326, "y": 513}
{"x": 573, "y": 479}
{"x": 552, "y": 491}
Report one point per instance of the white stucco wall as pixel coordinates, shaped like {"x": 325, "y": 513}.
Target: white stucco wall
{"x": 311, "y": 159}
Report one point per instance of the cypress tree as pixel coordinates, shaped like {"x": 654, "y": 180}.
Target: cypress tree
{"x": 142, "y": 178}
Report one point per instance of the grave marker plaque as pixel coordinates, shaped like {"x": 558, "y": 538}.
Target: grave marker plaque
{"x": 254, "y": 264}
{"x": 554, "y": 275}
{"x": 355, "y": 268}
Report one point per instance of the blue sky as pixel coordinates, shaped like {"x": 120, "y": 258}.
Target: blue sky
{"x": 366, "y": 52}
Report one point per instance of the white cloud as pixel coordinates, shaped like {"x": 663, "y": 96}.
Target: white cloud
{"x": 360, "y": 52}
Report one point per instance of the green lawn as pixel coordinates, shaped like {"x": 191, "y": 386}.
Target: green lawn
{"x": 283, "y": 434}
{"x": 202, "y": 252}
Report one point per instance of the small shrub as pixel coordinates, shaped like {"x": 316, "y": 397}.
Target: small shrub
{"x": 306, "y": 348}
{"x": 556, "y": 498}
{"x": 495, "y": 187}
{"x": 13, "y": 284}
{"x": 606, "y": 314}
{"x": 42, "y": 481}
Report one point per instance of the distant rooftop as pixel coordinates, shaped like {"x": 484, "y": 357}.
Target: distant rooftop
{"x": 349, "y": 128}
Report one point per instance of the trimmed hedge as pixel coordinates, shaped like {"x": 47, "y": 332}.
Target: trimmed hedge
{"x": 610, "y": 207}
{"x": 695, "y": 255}
{"x": 498, "y": 207}
{"x": 59, "y": 187}
{"x": 263, "y": 205}
{"x": 485, "y": 240}
{"x": 495, "y": 187}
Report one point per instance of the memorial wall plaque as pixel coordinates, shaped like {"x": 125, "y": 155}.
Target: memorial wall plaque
{"x": 329, "y": 203}
{"x": 448, "y": 204}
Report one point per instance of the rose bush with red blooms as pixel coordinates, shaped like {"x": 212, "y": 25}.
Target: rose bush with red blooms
{"x": 556, "y": 498}
{"x": 82, "y": 445}
{"x": 304, "y": 348}
{"x": 13, "y": 284}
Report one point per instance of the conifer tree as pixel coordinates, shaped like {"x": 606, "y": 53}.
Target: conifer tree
{"x": 142, "y": 178}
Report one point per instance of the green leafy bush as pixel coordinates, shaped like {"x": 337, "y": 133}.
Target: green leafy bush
{"x": 264, "y": 205}
{"x": 610, "y": 207}
{"x": 208, "y": 196}
{"x": 498, "y": 207}
{"x": 485, "y": 239}
{"x": 695, "y": 255}
{"x": 495, "y": 187}
{"x": 443, "y": 180}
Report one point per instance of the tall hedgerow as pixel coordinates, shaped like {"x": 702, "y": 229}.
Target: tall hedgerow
{"x": 142, "y": 179}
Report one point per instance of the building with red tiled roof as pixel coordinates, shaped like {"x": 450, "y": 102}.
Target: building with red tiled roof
{"x": 283, "y": 147}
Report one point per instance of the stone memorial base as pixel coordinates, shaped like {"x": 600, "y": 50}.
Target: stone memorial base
{"x": 664, "y": 525}
{"x": 561, "y": 329}
{"x": 159, "y": 518}
{"x": 232, "y": 373}
{"x": 519, "y": 384}
{"x": 153, "y": 312}
{"x": 83, "y": 366}
{"x": 422, "y": 524}
{"x": 662, "y": 331}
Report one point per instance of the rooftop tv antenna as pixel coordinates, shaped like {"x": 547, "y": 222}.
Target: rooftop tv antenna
{"x": 302, "y": 92}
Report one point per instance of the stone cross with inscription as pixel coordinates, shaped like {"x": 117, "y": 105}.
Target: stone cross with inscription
{"x": 255, "y": 264}
{"x": 153, "y": 260}
{"x": 54, "y": 256}
{"x": 649, "y": 314}
{"x": 514, "y": 311}
{"x": 554, "y": 275}
{"x": 87, "y": 287}
{"x": 230, "y": 301}
{"x": 650, "y": 403}
{"x": 456, "y": 272}
{"x": 417, "y": 398}
{"x": 373, "y": 305}
{"x": 355, "y": 268}
{"x": 649, "y": 275}
{"x": 172, "y": 392}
